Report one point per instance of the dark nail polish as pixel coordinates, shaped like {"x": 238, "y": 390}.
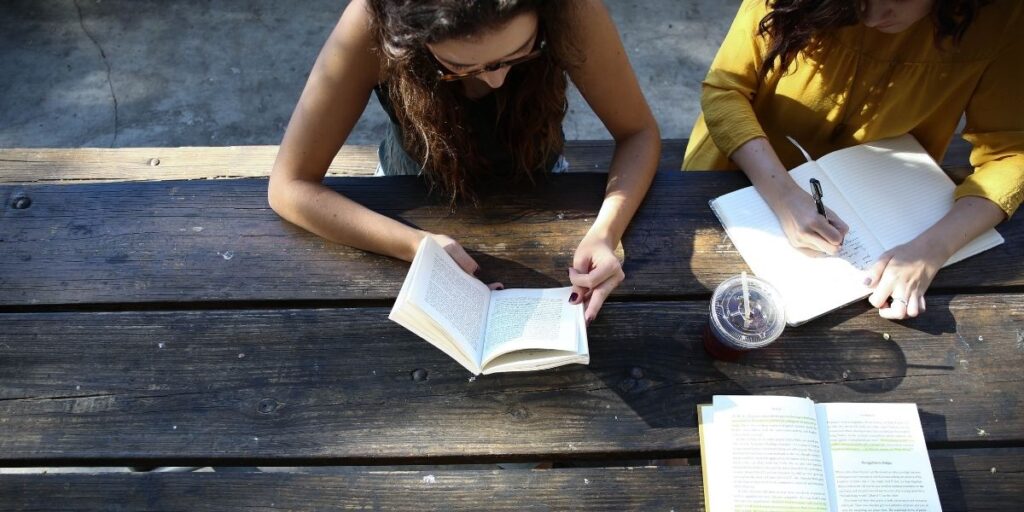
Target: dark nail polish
{"x": 573, "y": 297}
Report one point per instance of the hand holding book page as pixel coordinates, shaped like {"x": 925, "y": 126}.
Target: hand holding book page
{"x": 488, "y": 331}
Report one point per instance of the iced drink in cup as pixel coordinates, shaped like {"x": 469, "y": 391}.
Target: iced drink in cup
{"x": 746, "y": 313}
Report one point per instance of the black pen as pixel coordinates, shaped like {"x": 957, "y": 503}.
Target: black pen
{"x": 816, "y": 192}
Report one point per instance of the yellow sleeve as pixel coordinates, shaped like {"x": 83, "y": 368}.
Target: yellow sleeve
{"x": 732, "y": 80}
{"x": 995, "y": 126}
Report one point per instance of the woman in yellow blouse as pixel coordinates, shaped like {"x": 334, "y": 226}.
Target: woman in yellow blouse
{"x": 836, "y": 73}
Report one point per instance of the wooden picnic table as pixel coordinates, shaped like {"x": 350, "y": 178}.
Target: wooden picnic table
{"x": 183, "y": 323}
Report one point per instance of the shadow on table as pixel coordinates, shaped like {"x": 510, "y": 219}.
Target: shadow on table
{"x": 666, "y": 374}
{"x": 948, "y": 481}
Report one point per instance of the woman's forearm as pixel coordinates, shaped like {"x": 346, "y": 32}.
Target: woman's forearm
{"x": 316, "y": 208}
{"x": 634, "y": 163}
{"x": 762, "y": 166}
{"x": 969, "y": 218}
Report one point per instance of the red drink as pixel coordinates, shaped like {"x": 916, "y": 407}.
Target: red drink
{"x": 746, "y": 313}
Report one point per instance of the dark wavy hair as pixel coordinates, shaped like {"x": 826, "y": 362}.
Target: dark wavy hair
{"x": 531, "y": 104}
{"x": 792, "y": 26}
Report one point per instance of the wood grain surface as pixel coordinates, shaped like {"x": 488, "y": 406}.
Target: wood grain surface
{"x": 973, "y": 480}
{"x": 190, "y": 241}
{"x": 336, "y": 384}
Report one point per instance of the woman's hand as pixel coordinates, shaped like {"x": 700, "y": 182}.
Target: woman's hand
{"x": 794, "y": 207}
{"x": 805, "y": 227}
{"x": 595, "y": 272}
{"x": 904, "y": 274}
{"x": 465, "y": 261}
{"x": 455, "y": 250}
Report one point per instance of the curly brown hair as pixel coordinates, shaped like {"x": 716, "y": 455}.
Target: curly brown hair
{"x": 431, "y": 113}
{"x": 792, "y": 26}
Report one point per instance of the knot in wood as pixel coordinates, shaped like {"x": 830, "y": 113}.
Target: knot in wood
{"x": 518, "y": 412}
{"x": 21, "y": 202}
{"x": 636, "y": 373}
{"x": 419, "y": 375}
{"x": 267, "y": 406}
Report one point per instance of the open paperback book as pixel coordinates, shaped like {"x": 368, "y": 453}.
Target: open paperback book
{"x": 888, "y": 192}
{"x": 488, "y": 331}
{"x": 786, "y": 453}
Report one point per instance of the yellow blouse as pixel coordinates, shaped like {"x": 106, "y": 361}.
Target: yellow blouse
{"x": 884, "y": 85}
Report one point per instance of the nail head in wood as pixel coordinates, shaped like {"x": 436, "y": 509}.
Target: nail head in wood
{"x": 20, "y": 203}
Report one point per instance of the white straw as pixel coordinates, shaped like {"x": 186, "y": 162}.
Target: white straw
{"x": 746, "y": 298}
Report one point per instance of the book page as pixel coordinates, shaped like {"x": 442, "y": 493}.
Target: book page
{"x": 454, "y": 299}
{"x": 532, "y": 360}
{"x": 812, "y": 283}
{"x": 898, "y": 190}
{"x": 876, "y": 458}
{"x": 519, "y": 319}
{"x": 763, "y": 453}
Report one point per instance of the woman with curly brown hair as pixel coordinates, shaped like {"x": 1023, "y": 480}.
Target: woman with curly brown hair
{"x": 476, "y": 92}
{"x": 837, "y": 73}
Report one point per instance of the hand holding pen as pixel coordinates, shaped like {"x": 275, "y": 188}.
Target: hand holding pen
{"x": 813, "y": 226}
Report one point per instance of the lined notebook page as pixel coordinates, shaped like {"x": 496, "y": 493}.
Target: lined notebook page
{"x": 812, "y": 284}
{"x": 897, "y": 190}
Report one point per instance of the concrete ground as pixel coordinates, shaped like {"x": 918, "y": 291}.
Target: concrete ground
{"x": 124, "y": 73}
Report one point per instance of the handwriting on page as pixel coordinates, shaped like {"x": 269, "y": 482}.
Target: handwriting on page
{"x": 856, "y": 252}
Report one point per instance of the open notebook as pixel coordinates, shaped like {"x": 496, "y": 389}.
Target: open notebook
{"x": 888, "y": 192}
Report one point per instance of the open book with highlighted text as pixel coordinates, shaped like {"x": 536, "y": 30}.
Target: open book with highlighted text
{"x": 788, "y": 453}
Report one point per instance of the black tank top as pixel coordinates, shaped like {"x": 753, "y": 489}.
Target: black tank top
{"x": 481, "y": 116}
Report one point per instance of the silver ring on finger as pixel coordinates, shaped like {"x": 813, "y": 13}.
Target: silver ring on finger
{"x": 899, "y": 299}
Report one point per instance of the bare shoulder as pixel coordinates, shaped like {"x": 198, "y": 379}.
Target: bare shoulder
{"x": 595, "y": 36}
{"x": 592, "y": 19}
{"x": 356, "y": 23}
{"x": 352, "y": 44}
{"x": 604, "y": 75}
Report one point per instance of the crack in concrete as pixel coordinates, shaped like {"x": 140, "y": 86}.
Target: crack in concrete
{"x": 106, "y": 63}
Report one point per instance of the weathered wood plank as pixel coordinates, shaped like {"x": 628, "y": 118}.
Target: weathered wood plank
{"x": 96, "y": 165}
{"x": 76, "y": 165}
{"x": 186, "y": 241}
{"x": 675, "y": 488}
{"x": 967, "y": 480}
{"x": 335, "y": 384}
{"x": 983, "y": 479}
